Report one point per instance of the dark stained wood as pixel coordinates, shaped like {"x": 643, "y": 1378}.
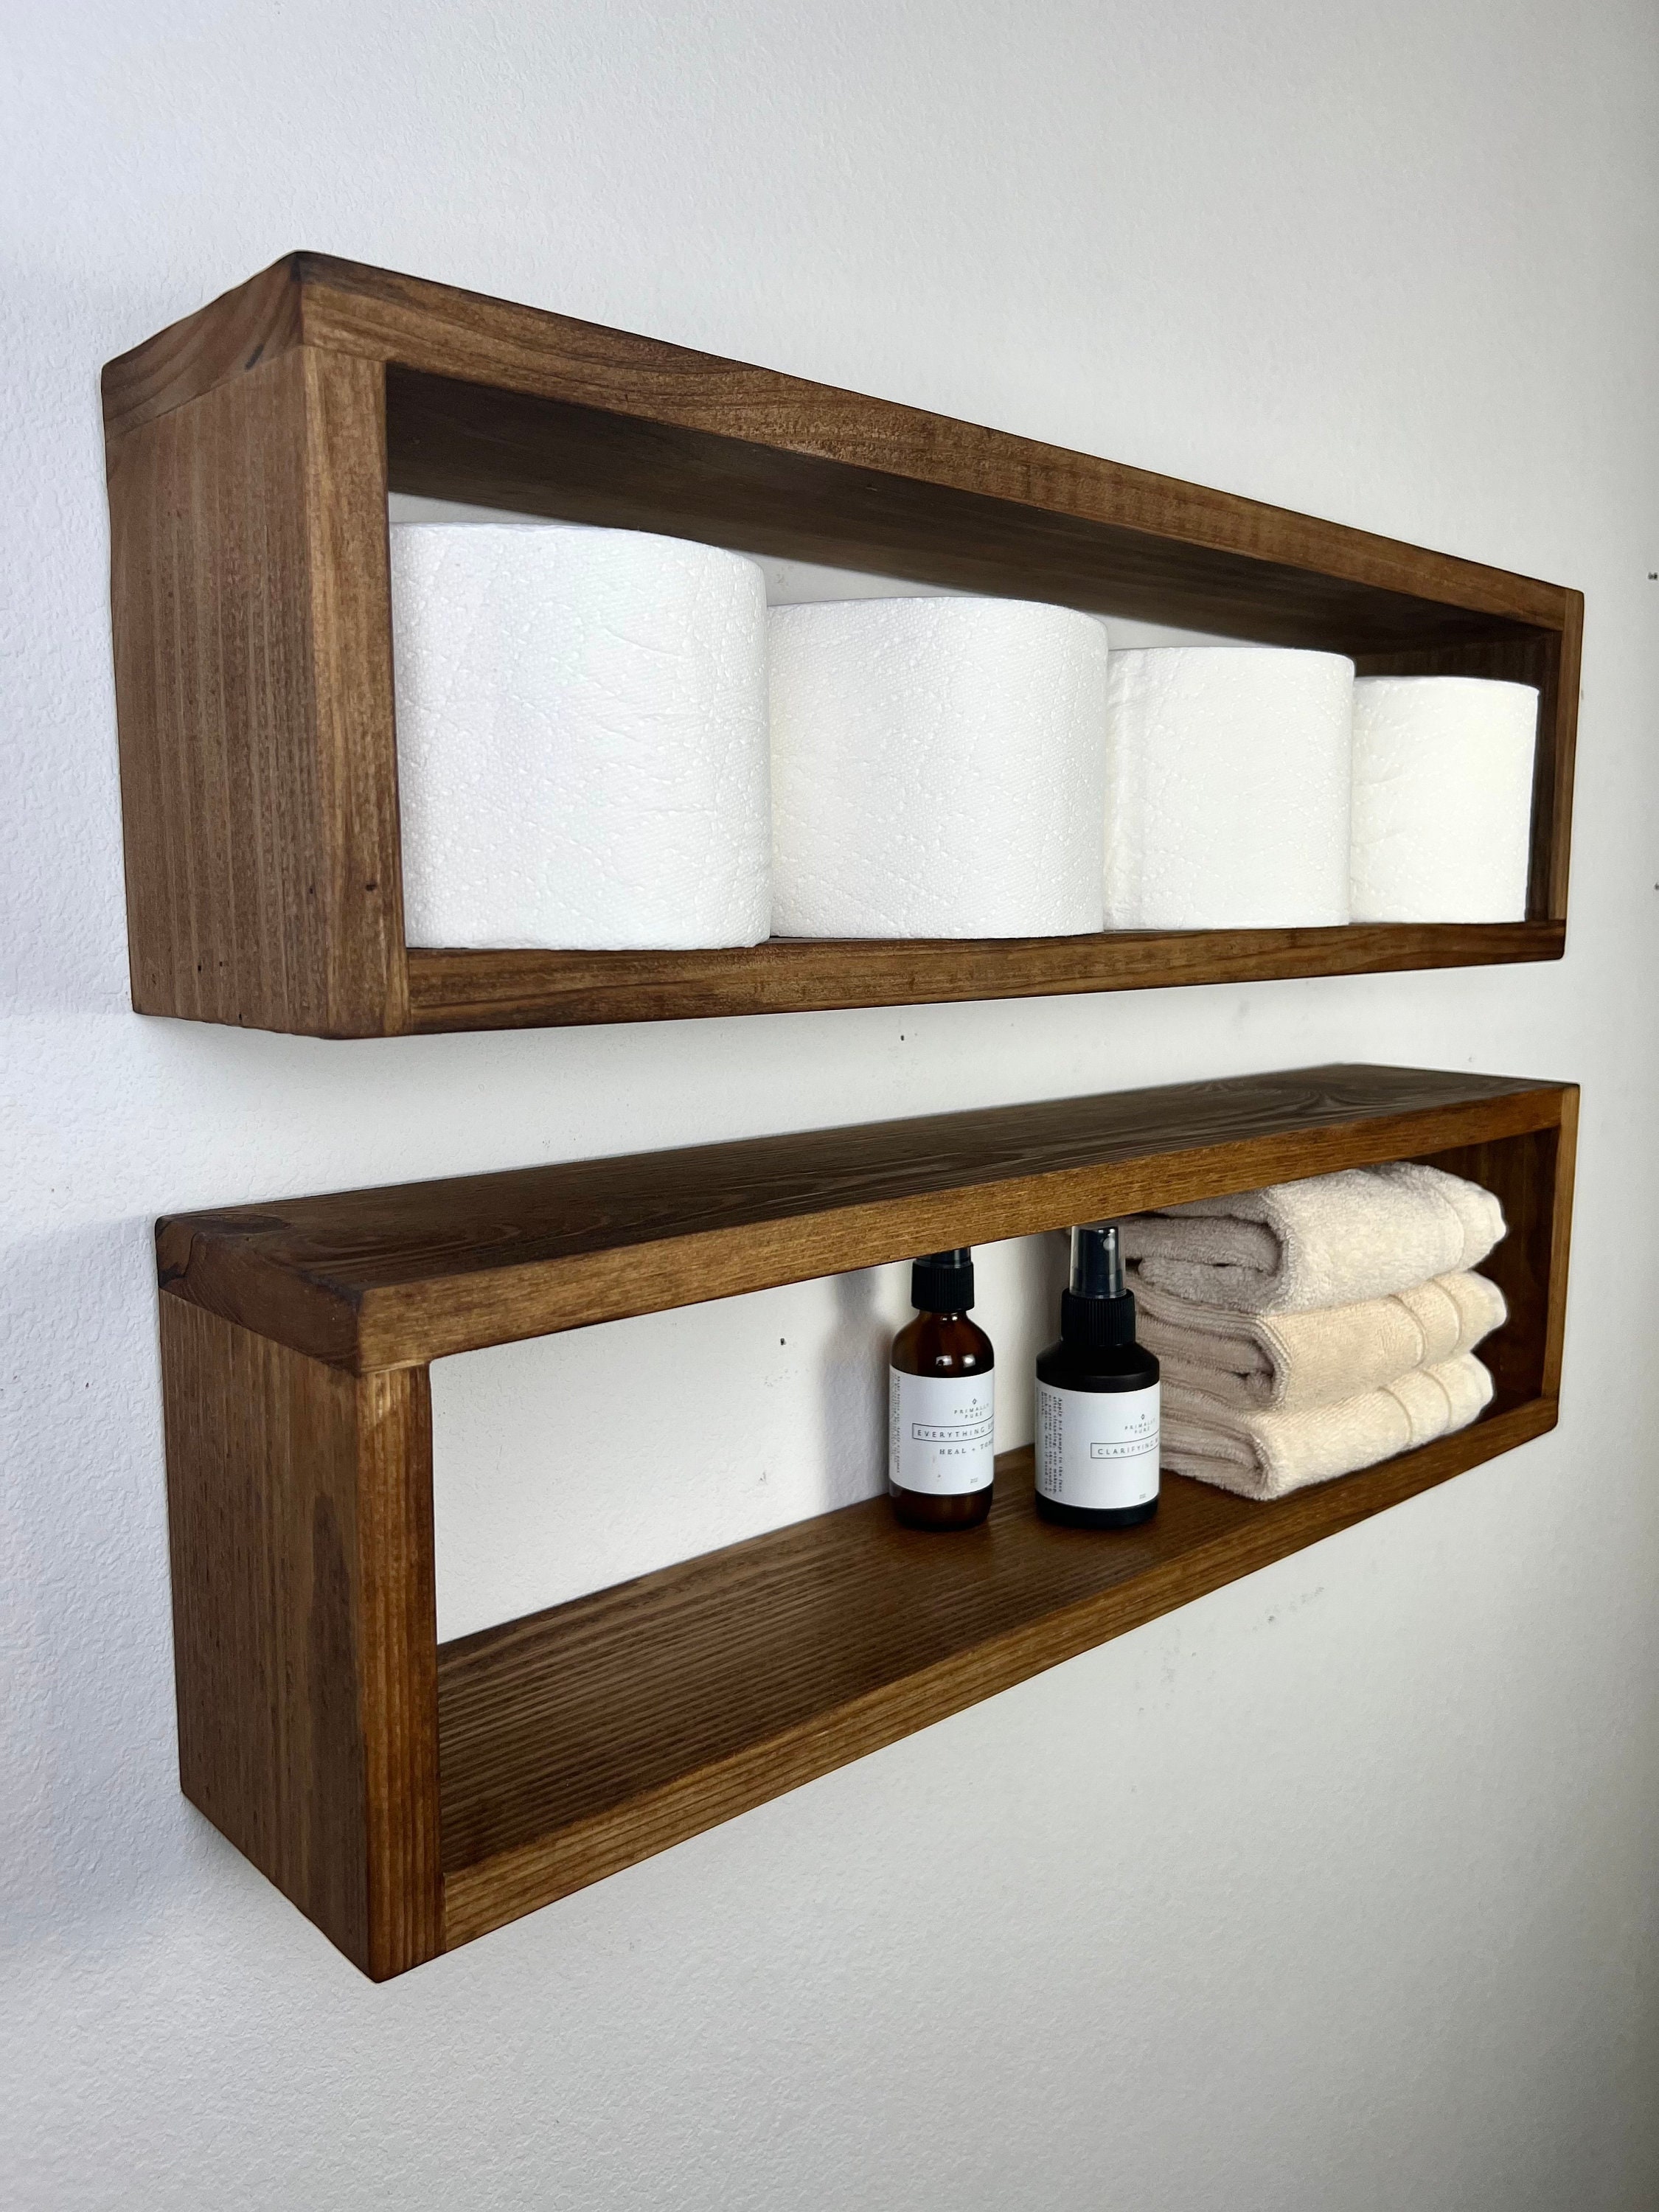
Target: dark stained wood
{"x": 247, "y": 503}
{"x": 473, "y": 990}
{"x": 299, "y": 1513}
{"x": 1555, "y": 1314}
{"x": 1551, "y": 801}
{"x": 409, "y": 1798}
{"x": 383, "y": 1277}
{"x": 863, "y": 484}
{"x": 478, "y": 346}
{"x": 580, "y": 1739}
{"x": 251, "y": 609}
{"x": 259, "y": 321}
{"x": 1528, "y": 1174}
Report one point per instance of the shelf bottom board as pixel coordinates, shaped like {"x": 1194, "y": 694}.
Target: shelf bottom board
{"x": 482, "y": 990}
{"x": 576, "y": 1741}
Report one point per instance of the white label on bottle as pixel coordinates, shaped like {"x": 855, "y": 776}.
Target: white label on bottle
{"x": 941, "y": 1431}
{"x": 1097, "y": 1448}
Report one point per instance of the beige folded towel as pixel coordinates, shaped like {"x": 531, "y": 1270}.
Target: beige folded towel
{"x": 1265, "y": 1455}
{"x": 1361, "y": 1233}
{"x": 1281, "y": 1362}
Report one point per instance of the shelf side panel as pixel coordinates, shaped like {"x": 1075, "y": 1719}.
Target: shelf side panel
{"x": 251, "y": 606}
{"x": 305, "y": 1627}
{"x": 1531, "y": 1177}
{"x": 1552, "y": 817}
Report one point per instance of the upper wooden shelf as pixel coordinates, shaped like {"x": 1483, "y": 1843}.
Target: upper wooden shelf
{"x": 409, "y": 1796}
{"x": 251, "y": 451}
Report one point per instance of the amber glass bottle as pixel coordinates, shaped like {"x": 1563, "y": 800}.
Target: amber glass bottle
{"x": 941, "y": 1404}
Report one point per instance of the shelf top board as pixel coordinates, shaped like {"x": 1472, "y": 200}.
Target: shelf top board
{"x": 508, "y": 406}
{"x": 394, "y": 1277}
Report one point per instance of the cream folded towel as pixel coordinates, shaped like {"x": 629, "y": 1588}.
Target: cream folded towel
{"x": 1282, "y": 1363}
{"x": 1361, "y": 1233}
{"x": 1265, "y": 1455}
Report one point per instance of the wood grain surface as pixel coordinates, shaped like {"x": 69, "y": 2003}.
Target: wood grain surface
{"x": 417, "y": 1271}
{"x": 804, "y": 473}
{"x": 251, "y": 620}
{"x": 473, "y": 351}
{"x": 305, "y": 1627}
{"x": 1532, "y": 1175}
{"x": 579, "y": 1741}
{"x": 477, "y": 990}
{"x": 257, "y": 322}
{"x": 408, "y": 1798}
{"x": 253, "y": 663}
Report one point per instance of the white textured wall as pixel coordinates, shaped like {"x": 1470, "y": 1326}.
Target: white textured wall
{"x": 1339, "y": 1889}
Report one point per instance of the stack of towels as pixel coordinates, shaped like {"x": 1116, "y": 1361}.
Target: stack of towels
{"x": 1315, "y": 1328}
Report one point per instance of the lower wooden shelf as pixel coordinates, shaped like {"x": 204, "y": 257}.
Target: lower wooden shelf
{"x": 408, "y": 1798}
{"x": 468, "y": 990}
{"x": 580, "y": 1739}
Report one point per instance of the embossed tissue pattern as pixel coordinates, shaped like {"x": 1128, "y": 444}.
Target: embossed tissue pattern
{"x": 937, "y": 769}
{"x": 1441, "y": 798}
{"x": 1228, "y": 781}
{"x": 581, "y": 737}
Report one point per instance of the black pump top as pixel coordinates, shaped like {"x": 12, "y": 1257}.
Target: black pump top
{"x": 1098, "y": 1310}
{"x": 943, "y": 1282}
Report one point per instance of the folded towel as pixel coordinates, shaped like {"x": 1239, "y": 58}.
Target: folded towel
{"x": 1281, "y": 1362}
{"x": 1265, "y": 1455}
{"x": 1361, "y": 1233}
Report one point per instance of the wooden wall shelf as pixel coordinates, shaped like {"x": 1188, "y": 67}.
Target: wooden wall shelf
{"x": 251, "y": 449}
{"x": 409, "y": 1797}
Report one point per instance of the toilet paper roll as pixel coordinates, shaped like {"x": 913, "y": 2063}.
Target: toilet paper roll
{"x": 937, "y": 768}
{"x": 582, "y": 753}
{"x": 1441, "y": 798}
{"x": 1228, "y": 779}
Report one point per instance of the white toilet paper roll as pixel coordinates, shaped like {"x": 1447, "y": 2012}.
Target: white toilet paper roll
{"x": 582, "y": 751}
{"x": 937, "y": 768}
{"x": 1441, "y": 798}
{"x": 1228, "y": 776}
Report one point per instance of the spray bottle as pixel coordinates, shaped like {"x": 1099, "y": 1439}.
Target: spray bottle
{"x": 1097, "y": 1394}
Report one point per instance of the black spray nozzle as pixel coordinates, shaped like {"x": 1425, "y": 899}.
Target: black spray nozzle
{"x": 1098, "y": 1309}
{"x": 1097, "y": 1261}
{"x": 943, "y": 1282}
